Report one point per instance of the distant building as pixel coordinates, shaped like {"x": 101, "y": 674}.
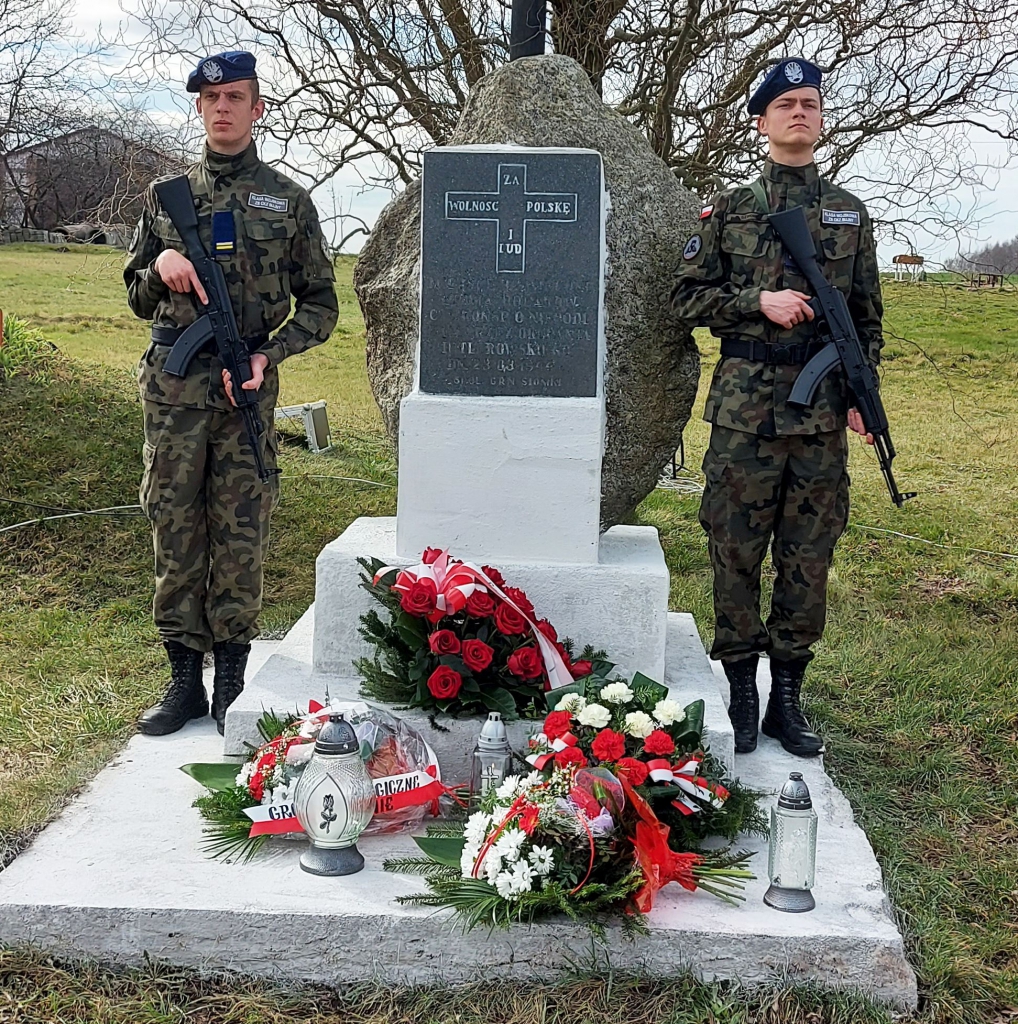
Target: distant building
{"x": 88, "y": 176}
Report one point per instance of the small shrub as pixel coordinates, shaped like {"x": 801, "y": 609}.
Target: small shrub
{"x": 23, "y": 350}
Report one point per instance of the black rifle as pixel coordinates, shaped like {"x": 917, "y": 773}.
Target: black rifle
{"x": 833, "y": 324}
{"x": 218, "y": 322}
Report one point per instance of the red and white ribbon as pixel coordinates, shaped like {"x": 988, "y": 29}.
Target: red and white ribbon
{"x": 392, "y": 793}
{"x": 454, "y": 583}
{"x": 687, "y": 777}
{"x": 540, "y": 761}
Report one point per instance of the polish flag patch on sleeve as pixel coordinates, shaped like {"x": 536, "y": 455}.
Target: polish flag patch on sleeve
{"x": 706, "y": 212}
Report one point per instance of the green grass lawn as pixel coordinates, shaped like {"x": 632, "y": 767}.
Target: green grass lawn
{"x": 915, "y": 685}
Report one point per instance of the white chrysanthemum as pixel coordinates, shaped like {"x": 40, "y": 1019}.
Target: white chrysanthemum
{"x": 491, "y": 866}
{"x": 668, "y": 712}
{"x": 533, "y": 779}
{"x": 509, "y": 789}
{"x": 245, "y": 774}
{"x": 572, "y": 702}
{"x": 467, "y": 859}
{"x": 542, "y": 859}
{"x": 509, "y": 844}
{"x": 597, "y": 716}
{"x": 522, "y": 877}
{"x": 639, "y": 724}
{"x": 616, "y": 693}
{"x": 476, "y": 828}
{"x": 504, "y": 885}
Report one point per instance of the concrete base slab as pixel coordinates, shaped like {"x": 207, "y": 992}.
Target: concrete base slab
{"x": 120, "y": 876}
{"x": 618, "y": 602}
{"x": 287, "y": 681}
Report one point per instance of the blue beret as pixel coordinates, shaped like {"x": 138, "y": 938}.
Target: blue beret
{"x": 794, "y": 73}
{"x": 232, "y": 66}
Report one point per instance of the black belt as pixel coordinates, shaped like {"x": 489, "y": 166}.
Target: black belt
{"x": 168, "y": 336}
{"x": 772, "y": 355}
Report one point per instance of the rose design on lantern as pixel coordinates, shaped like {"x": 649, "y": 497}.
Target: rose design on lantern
{"x": 334, "y": 801}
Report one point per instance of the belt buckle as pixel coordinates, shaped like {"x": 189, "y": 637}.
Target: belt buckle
{"x": 780, "y": 354}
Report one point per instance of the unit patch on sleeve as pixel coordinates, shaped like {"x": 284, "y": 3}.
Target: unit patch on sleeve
{"x": 841, "y": 217}
{"x": 692, "y": 247}
{"x": 706, "y": 212}
{"x": 263, "y": 202}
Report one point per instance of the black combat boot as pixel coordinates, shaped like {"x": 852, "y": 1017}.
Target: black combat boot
{"x": 231, "y": 660}
{"x": 784, "y": 719}
{"x": 184, "y": 698}
{"x": 744, "y": 707}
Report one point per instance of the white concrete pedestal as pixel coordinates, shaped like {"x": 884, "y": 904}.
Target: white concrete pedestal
{"x": 501, "y": 480}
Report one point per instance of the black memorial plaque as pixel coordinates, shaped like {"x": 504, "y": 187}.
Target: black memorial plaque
{"x": 510, "y": 283}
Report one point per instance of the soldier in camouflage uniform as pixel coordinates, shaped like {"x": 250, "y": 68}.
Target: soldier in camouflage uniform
{"x": 776, "y": 473}
{"x": 209, "y": 509}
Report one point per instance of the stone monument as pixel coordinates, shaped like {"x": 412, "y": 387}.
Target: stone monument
{"x": 501, "y": 444}
{"x": 651, "y": 362}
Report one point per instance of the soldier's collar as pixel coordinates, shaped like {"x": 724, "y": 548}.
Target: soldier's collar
{"x": 807, "y": 175}
{"x": 219, "y": 163}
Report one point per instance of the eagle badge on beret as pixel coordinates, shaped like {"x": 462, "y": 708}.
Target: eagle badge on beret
{"x": 793, "y": 72}
{"x": 212, "y": 71}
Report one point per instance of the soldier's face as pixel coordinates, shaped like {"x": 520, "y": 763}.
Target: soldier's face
{"x": 793, "y": 120}
{"x": 229, "y": 115}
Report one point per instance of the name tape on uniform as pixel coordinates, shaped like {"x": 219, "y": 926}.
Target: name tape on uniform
{"x": 841, "y": 217}
{"x": 263, "y": 202}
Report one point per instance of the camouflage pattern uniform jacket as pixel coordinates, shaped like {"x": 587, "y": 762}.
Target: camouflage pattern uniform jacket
{"x": 209, "y": 510}
{"x": 774, "y": 471}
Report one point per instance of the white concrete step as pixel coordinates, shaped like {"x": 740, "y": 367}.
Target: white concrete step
{"x": 120, "y": 876}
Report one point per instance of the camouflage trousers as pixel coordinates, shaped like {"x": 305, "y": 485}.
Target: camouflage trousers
{"x": 210, "y": 522}
{"x": 791, "y": 493}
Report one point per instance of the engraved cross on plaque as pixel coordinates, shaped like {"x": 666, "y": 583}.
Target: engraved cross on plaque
{"x": 511, "y": 207}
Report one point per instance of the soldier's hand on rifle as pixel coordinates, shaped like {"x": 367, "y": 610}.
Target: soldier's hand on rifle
{"x": 855, "y": 423}
{"x": 259, "y": 364}
{"x": 178, "y": 274}
{"x": 785, "y": 308}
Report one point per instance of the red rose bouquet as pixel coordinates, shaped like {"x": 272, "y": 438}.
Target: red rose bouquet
{"x": 456, "y": 638}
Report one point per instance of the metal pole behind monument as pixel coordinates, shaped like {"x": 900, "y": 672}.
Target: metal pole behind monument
{"x": 526, "y": 34}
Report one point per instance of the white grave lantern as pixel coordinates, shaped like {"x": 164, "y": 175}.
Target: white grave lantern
{"x": 335, "y": 800}
{"x": 791, "y": 864}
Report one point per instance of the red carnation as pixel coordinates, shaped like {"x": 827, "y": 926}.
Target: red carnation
{"x": 557, "y": 724}
{"x": 256, "y": 787}
{"x": 519, "y": 599}
{"x": 570, "y": 755}
{"x": 480, "y": 604}
{"x": 431, "y": 555}
{"x": 444, "y": 683}
{"x": 526, "y": 663}
{"x": 608, "y": 745}
{"x": 477, "y": 655}
{"x": 579, "y": 669}
{"x": 494, "y": 575}
{"x": 420, "y": 599}
{"x": 636, "y": 772}
{"x": 659, "y": 743}
{"x": 444, "y": 641}
{"x": 509, "y": 620}
{"x": 548, "y": 630}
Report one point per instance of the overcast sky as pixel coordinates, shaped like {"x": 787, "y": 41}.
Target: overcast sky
{"x": 996, "y": 202}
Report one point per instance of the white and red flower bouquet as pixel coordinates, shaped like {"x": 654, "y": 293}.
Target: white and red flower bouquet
{"x": 576, "y": 841}
{"x": 636, "y": 731}
{"x": 456, "y": 638}
{"x": 244, "y": 807}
